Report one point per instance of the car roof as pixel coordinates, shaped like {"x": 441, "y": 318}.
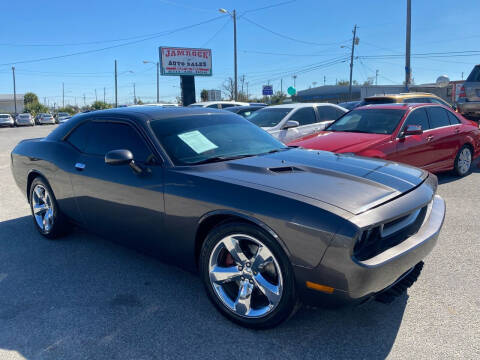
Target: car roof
{"x": 300, "y": 105}
{"x": 205, "y": 103}
{"x": 242, "y": 107}
{"x": 402, "y": 95}
{"x": 400, "y": 106}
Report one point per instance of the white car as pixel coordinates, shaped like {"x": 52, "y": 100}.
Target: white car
{"x": 45, "y": 119}
{"x": 6, "y": 120}
{"x": 62, "y": 117}
{"x": 24, "y": 120}
{"x": 292, "y": 121}
{"x": 218, "y": 104}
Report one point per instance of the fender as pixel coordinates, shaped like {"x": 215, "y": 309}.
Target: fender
{"x": 247, "y": 218}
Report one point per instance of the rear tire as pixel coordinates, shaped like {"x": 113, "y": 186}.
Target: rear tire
{"x": 47, "y": 217}
{"x": 248, "y": 276}
{"x": 463, "y": 161}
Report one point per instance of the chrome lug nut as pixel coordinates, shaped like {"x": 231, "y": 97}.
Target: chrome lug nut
{"x": 240, "y": 267}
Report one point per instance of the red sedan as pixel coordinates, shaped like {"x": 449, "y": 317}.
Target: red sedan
{"x": 429, "y": 136}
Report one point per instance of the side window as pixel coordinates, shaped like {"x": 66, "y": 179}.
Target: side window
{"x": 304, "y": 116}
{"x": 453, "y": 119}
{"x": 339, "y": 113}
{"x": 224, "y": 106}
{"x": 328, "y": 113}
{"x": 214, "y": 106}
{"x": 417, "y": 100}
{"x": 438, "y": 117}
{"x": 107, "y": 136}
{"x": 438, "y": 101}
{"x": 417, "y": 117}
{"x": 78, "y": 137}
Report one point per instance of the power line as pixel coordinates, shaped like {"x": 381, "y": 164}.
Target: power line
{"x": 217, "y": 32}
{"x": 115, "y": 46}
{"x": 269, "y": 6}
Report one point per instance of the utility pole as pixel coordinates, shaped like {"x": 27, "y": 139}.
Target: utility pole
{"x": 408, "y": 70}
{"x": 45, "y": 101}
{"x": 116, "y": 95}
{"x": 376, "y": 77}
{"x": 84, "y": 101}
{"x": 351, "y": 61}
{"x": 134, "y": 95}
{"x": 14, "y": 90}
{"x": 281, "y": 85}
{"x": 158, "y": 82}
{"x": 247, "y": 91}
{"x": 234, "y": 15}
{"x": 324, "y": 80}
{"x": 63, "y": 95}
{"x": 104, "y": 95}
{"x": 294, "y": 81}
{"x": 96, "y": 98}
{"x": 462, "y": 75}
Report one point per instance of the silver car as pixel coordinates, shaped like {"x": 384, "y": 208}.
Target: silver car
{"x": 24, "y": 120}
{"x": 45, "y": 119}
{"x": 468, "y": 102}
{"x": 62, "y": 117}
{"x": 6, "y": 120}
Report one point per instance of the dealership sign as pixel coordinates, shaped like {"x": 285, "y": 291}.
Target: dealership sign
{"x": 185, "y": 61}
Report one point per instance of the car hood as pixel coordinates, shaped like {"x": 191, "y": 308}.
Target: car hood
{"x": 354, "y": 184}
{"x": 338, "y": 141}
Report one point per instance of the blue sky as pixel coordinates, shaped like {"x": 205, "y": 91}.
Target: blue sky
{"x": 305, "y": 39}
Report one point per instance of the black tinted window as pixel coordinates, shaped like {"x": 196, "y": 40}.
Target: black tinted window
{"x": 417, "y": 117}
{"x": 224, "y": 106}
{"x": 474, "y": 75}
{"x": 105, "y": 137}
{"x": 79, "y": 136}
{"x": 304, "y": 116}
{"x": 214, "y": 106}
{"x": 438, "y": 117}
{"x": 329, "y": 113}
{"x": 453, "y": 119}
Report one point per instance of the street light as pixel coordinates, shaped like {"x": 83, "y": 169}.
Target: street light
{"x": 158, "y": 77}
{"x": 233, "y": 14}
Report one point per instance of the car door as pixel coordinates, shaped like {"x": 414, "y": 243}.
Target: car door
{"x": 441, "y": 137}
{"x": 115, "y": 201}
{"x": 306, "y": 119}
{"x": 413, "y": 149}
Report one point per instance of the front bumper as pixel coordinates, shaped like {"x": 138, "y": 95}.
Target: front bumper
{"x": 354, "y": 280}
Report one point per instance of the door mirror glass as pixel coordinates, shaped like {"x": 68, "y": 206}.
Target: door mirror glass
{"x": 291, "y": 124}
{"x": 119, "y": 157}
{"x": 413, "y": 130}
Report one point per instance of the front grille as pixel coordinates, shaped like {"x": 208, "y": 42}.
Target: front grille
{"x": 385, "y": 236}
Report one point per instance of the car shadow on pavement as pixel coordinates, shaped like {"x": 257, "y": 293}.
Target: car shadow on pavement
{"x": 447, "y": 177}
{"x": 85, "y": 297}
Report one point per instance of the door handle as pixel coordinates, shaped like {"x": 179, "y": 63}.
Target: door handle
{"x": 430, "y": 138}
{"x": 457, "y": 130}
{"x": 79, "y": 166}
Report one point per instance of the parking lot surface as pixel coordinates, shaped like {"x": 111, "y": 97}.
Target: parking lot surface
{"x": 83, "y": 297}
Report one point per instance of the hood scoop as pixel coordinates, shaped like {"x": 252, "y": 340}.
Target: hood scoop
{"x": 285, "y": 169}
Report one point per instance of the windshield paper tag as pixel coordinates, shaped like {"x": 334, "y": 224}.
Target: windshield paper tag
{"x": 197, "y": 141}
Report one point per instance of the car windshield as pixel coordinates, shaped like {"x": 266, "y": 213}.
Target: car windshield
{"x": 373, "y": 121}
{"x": 24, "y": 115}
{"x": 195, "y": 105}
{"x": 3, "y": 116}
{"x": 208, "y": 138}
{"x": 269, "y": 117}
{"x": 63, "y": 114}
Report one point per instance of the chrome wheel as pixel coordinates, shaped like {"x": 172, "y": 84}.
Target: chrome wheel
{"x": 464, "y": 161}
{"x": 42, "y": 207}
{"x": 245, "y": 276}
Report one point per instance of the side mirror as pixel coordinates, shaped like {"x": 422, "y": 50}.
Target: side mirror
{"x": 413, "y": 130}
{"x": 454, "y": 107}
{"x": 291, "y": 124}
{"x": 119, "y": 157}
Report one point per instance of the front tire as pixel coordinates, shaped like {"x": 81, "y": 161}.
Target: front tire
{"x": 248, "y": 276}
{"x": 463, "y": 161}
{"x": 48, "y": 219}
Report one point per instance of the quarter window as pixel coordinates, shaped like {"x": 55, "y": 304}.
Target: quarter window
{"x": 438, "y": 117}
{"x": 107, "y": 136}
{"x": 79, "y": 137}
{"x": 304, "y": 116}
{"x": 453, "y": 119}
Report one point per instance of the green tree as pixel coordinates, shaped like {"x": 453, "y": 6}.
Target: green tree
{"x": 35, "y": 108}
{"x": 204, "y": 95}
{"x": 278, "y": 98}
{"x": 30, "y": 98}
{"x": 100, "y": 105}
{"x": 69, "y": 109}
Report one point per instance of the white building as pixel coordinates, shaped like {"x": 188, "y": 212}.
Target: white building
{"x": 7, "y": 105}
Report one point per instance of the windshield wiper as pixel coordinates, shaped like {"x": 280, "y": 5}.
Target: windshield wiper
{"x": 221, "y": 158}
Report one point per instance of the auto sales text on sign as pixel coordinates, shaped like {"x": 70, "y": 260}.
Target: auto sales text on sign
{"x": 185, "y": 61}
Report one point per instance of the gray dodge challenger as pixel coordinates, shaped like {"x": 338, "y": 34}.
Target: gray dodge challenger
{"x": 266, "y": 226}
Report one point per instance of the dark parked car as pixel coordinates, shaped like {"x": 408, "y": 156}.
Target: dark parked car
{"x": 350, "y": 105}
{"x": 265, "y": 225}
{"x": 468, "y": 103}
{"x": 245, "y": 110}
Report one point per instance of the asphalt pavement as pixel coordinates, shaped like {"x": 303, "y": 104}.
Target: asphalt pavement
{"x": 83, "y": 297}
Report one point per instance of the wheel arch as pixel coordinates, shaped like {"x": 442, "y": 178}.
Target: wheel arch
{"x": 32, "y": 174}
{"x": 214, "y": 218}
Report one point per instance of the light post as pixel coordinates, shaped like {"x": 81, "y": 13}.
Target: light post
{"x": 158, "y": 77}
{"x": 233, "y": 14}
{"x": 14, "y": 91}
